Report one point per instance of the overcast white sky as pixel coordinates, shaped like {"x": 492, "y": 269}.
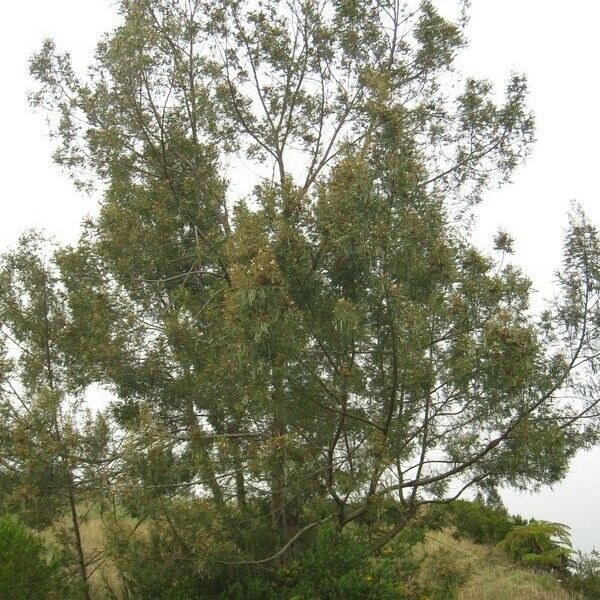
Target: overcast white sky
{"x": 554, "y": 42}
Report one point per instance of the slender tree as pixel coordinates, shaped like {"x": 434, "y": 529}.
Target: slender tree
{"x": 53, "y": 452}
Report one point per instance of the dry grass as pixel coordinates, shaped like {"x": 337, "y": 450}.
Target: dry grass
{"x": 490, "y": 583}
{"x": 101, "y": 568}
{"x": 93, "y": 540}
{"x": 494, "y": 576}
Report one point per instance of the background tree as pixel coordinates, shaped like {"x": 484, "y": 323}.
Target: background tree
{"x": 54, "y": 452}
{"x": 311, "y": 348}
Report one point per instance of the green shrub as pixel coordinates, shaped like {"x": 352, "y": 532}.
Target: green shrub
{"x": 26, "y": 572}
{"x": 539, "y": 544}
{"x": 585, "y": 575}
{"x": 336, "y": 566}
{"x": 481, "y": 523}
{"x": 179, "y": 559}
{"x": 155, "y": 565}
{"x": 400, "y": 564}
{"x": 252, "y": 587}
{"x": 332, "y": 566}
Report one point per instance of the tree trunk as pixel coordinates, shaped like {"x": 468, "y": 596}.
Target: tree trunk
{"x": 240, "y": 486}
{"x": 78, "y": 544}
{"x": 200, "y": 448}
{"x": 278, "y": 482}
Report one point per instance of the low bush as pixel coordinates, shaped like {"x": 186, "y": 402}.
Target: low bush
{"x": 337, "y": 566}
{"x": 333, "y": 566}
{"x": 172, "y": 557}
{"x": 482, "y": 523}
{"x": 585, "y": 575}
{"x": 26, "y": 570}
{"x": 160, "y": 564}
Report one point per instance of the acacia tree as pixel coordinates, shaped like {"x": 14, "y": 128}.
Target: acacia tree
{"x": 322, "y": 336}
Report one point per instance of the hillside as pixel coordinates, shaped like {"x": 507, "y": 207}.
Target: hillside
{"x": 494, "y": 576}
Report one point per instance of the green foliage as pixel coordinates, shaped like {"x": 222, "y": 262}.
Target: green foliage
{"x": 174, "y": 555}
{"x": 252, "y": 587}
{"x": 539, "y": 544}
{"x": 482, "y": 523}
{"x": 584, "y": 577}
{"x": 335, "y": 567}
{"x": 153, "y": 567}
{"x": 331, "y": 566}
{"x": 26, "y": 570}
{"x": 49, "y": 439}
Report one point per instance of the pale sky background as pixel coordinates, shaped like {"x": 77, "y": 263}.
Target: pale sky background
{"x": 554, "y": 42}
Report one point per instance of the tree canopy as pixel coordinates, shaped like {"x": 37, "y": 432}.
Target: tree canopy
{"x": 280, "y": 286}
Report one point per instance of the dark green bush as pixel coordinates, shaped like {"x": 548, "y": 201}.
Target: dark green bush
{"x": 175, "y": 560}
{"x": 336, "y": 566}
{"x": 252, "y": 587}
{"x": 482, "y": 523}
{"x": 332, "y": 566}
{"x": 26, "y": 571}
{"x": 158, "y": 564}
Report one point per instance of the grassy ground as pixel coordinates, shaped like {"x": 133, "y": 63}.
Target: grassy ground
{"x": 494, "y": 576}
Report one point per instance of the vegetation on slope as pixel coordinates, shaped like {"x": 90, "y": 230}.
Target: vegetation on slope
{"x": 439, "y": 561}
